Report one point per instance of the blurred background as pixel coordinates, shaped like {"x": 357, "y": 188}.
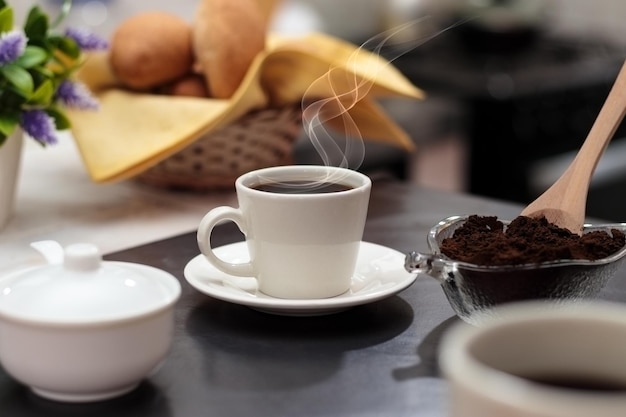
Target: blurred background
{"x": 358, "y": 19}
{"x": 513, "y": 85}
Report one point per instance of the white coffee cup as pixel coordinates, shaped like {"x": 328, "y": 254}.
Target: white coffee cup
{"x": 494, "y": 369}
{"x": 302, "y": 244}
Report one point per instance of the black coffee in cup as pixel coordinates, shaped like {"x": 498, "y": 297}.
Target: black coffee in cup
{"x": 579, "y": 382}
{"x": 302, "y": 187}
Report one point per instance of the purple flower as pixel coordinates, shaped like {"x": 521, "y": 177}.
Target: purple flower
{"x": 12, "y": 45}
{"x": 39, "y": 126}
{"x": 86, "y": 40}
{"x": 76, "y": 94}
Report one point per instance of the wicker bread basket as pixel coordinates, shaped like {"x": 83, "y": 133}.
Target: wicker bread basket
{"x": 259, "y": 139}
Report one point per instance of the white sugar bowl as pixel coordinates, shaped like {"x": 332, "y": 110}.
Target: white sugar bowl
{"x": 85, "y": 329}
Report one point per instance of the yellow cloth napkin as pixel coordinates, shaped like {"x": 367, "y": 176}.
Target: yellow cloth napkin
{"x": 134, "y": 131}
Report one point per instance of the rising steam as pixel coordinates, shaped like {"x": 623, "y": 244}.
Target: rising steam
{"x": 349, "y": 88}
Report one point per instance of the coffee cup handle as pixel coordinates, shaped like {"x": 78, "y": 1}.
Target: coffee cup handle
{"x": 205, "y": 228}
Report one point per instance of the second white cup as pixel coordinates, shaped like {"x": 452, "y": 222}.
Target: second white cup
{"x": 539, "y": 359}
{"x": 303, "y": 226}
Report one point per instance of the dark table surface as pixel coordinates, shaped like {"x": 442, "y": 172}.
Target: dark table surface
{"x": 378, "y": 359}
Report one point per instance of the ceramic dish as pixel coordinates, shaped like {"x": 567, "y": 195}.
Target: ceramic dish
{"x": 85, "y": 330}
{"x": 379, "y": 274}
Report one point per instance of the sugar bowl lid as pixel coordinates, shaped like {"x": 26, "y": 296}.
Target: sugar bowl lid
{"x": 86, "y": 289}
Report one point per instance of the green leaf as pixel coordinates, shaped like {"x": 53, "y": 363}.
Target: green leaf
{"x": 66, "y": 45}
{"x": 43, "y": 94}
{"x": 33, "y": 56}
{"x": 8, "y": 123}
{"x": 19, "y": 77}
{"x": 6, "y": 19}
{"x": 36, "y": 26}
{"x": 60, "y": 119}
{"x": 40, "y": 74}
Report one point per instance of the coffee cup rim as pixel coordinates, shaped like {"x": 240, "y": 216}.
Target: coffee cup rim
{"x": 352, "y": 178}
{"x": 459, "y": 365}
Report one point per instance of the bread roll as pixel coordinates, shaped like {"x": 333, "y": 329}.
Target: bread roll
{"x": 227, "y": 35}
{"x": 150, "y": 49}
{"x": 191, "y": 85}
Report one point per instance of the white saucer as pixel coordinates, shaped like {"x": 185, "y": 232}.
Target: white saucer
{"x": 379, "y": 274}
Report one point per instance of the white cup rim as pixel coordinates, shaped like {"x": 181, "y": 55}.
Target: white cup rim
{"x": 352, "y": 178}
{"x": 460, "y": 366}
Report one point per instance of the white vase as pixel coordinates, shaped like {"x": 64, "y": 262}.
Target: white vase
{"x": 10, "y": 158}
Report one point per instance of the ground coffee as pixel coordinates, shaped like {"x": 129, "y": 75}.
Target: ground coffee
{"x": 483, "y": 240}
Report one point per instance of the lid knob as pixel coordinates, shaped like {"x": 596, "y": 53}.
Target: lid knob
{"x": 82, "y": 257}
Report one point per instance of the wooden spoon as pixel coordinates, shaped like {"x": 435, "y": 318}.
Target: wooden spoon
{"x": 564, "y": 203}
